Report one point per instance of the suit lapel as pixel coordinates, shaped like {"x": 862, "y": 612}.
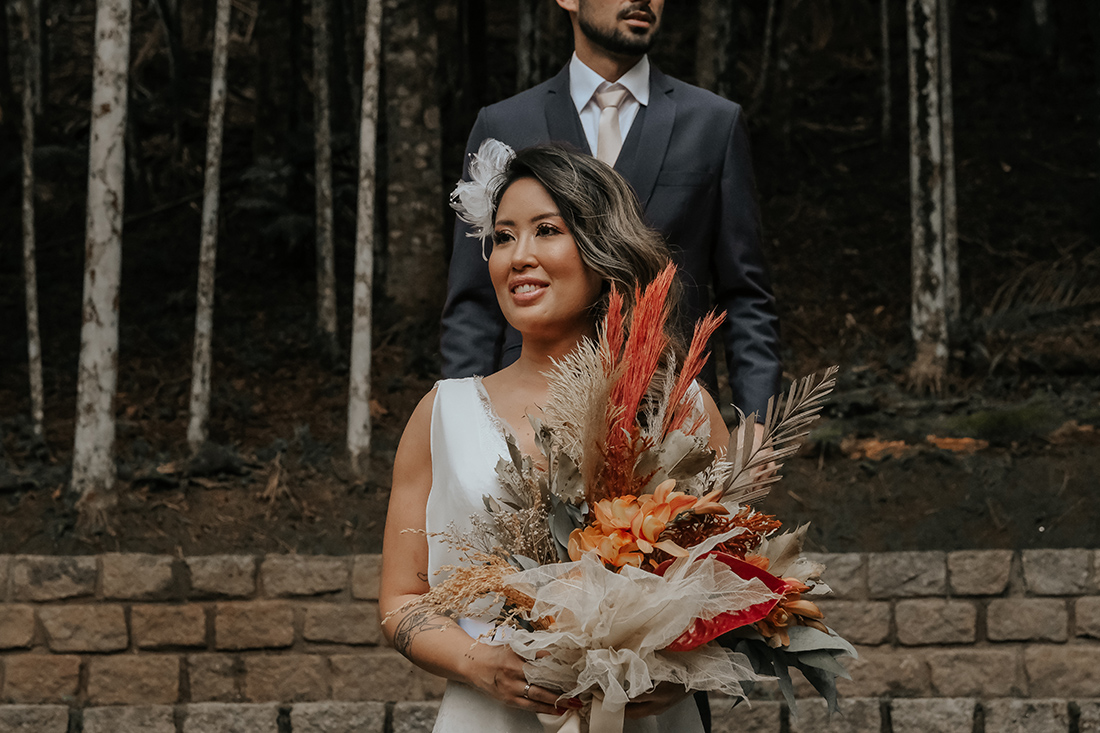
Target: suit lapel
{"x": 645, "y": 146}
{"x": 562, "y": 121}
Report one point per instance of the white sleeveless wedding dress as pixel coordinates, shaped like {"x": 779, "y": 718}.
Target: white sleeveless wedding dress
{"x": 467, "y": 440}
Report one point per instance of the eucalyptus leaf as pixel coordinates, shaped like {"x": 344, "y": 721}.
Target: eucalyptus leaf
{"x": 808, "y": 639}
{"x": 525, "y": 563}
{"x": 568, "y": 483}
{"x": 824, "y": 660}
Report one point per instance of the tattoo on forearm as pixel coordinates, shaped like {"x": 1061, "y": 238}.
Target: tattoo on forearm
{"x": 423, "y": 576}
{"x": 420, "y": 618}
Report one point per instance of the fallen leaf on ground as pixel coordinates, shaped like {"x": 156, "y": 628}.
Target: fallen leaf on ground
{"x": 966, "y": 446}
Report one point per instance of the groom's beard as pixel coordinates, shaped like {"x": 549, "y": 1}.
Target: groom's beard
{"x": 616, "y": 40}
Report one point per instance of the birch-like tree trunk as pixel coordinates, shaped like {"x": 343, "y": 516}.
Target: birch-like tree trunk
{"x": 30, "y": 276}
{"x": 884, "y": 19}
{"x": 198, "y": 427}
{"x": 528, "y": 45}
{"x": 765, "y": 60}
{"x": 359, "y": 420}
{"x": 929, "y": 318}
{"x": 93, "y": 478}
{"x": 952, "y": 297}
{"x": 326, "y": 258}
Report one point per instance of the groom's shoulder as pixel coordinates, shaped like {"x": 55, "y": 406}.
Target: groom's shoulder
{"x": 528, "y": 102}
{"x": 693, "y": 97}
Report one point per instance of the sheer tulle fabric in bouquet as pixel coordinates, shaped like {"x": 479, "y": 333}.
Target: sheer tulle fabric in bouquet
{"x": 619, "y": 559}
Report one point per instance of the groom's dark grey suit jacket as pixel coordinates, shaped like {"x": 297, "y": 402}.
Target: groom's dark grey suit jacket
{"x": 687, "y": 157}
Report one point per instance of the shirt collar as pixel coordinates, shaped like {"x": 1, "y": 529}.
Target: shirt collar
{"x": 583, "y": 81}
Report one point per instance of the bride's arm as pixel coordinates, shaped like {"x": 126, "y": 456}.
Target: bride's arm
{"x": 430, "y": 640}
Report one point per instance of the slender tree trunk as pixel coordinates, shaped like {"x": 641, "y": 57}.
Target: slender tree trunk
{"x": 886, "y": 98}
{"x": 413, "y": 168}
{"x": 7, "y": 91}
{"x": 93, "y": 477}
{"x": 714, "y": 54}
{"x": 359, "y": 421}
{"x": 294, "y": 57}
{"x": 351, "y": 59}
{"x": 952, "y": 297}
{"x": 528, "y": 45}
{"x": 765, "y": 60}
{"x": 38, "y": 9}
{"x": 326, "y": 259}
{"x": 929, "y": 304}
{"x": 30, "y": 277}
{"x": 198, "y": 427}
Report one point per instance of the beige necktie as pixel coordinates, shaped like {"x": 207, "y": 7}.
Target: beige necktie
{"x": 609, "y": 140}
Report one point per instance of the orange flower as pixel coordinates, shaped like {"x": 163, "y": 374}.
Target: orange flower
{"x": 627, "y": 527}
{"x": 790, "y": 611}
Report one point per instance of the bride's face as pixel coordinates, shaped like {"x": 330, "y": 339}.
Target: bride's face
{"x": 541, "y": 283}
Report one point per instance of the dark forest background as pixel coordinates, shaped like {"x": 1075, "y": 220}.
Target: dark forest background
{"x": 834, "y": 194}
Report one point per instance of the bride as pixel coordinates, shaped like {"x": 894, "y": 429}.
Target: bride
{"x": 565, "y": 229}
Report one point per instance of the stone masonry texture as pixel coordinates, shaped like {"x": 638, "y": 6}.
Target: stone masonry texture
{"x": 979, "y": 572}
{"x": 857, "y": 715}
{"x": 906, "y": 574}
{"x": 223, "y": 575}
{"x": 215, "y": 678}
{"x": 286, "y": 678}
{"x": 338, "y": 717}
{"x": 936, "y": 621}
{"x": 1027, "y": 619}
{"x": 130, "y": 719}
{"x": 16, "y": 625}
{"x": 1086, "y": 611}
{"x": 41, "y": 678}
{"x": 365, "y": 572}
{"x": 845, "y": 573}
{"x": 215, "y": 717}
{"x": 1026, "y": 716}
{"x": 84, "y": 627}
{"x": 342, "y": 623}
{"x": 34, "y": 719}
{"x": 132, "y": 679}
{"x": 158, "y": 626}
{"x": 5, "y": 572}
{"x": 1009, "y": 641}
{"x": 758, "y": 717}
{"x": 924, "y": 716}
{"x": 42, "y": 578}
{"x": 1056, "y": 572}
{"x": 860, "y": 622}
{"x": 253, "y": 625}
{"x": 301, "y": 575}
{"x": 414, "y": 717}
{"x": 1060, "y": 671}
{"x": 134, "y": 575}
{"x": 1088, "y": 720}
{"x": 961, "y": 672}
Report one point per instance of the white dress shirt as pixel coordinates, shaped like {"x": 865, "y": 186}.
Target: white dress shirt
{"x": 584, "y": 83}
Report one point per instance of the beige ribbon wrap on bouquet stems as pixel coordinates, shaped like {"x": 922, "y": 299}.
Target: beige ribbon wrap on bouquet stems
{"x": 610, "y": 630}
{"x": 601, "y": 720}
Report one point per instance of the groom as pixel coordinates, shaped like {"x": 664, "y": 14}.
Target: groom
{"x": 686, "y": 153}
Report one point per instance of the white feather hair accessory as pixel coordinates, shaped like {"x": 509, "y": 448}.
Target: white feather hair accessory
{"x": 473, "y": 199}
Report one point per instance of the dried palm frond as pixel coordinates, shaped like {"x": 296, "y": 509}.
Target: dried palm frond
{"x": 785, "y": 425}
{"x": 693, "y": 364}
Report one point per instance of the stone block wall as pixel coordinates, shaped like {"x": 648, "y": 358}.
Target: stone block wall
{"x": 961, "y": 641}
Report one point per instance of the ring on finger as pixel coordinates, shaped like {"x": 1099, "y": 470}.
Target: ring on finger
{"x": 526, "y": 690}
